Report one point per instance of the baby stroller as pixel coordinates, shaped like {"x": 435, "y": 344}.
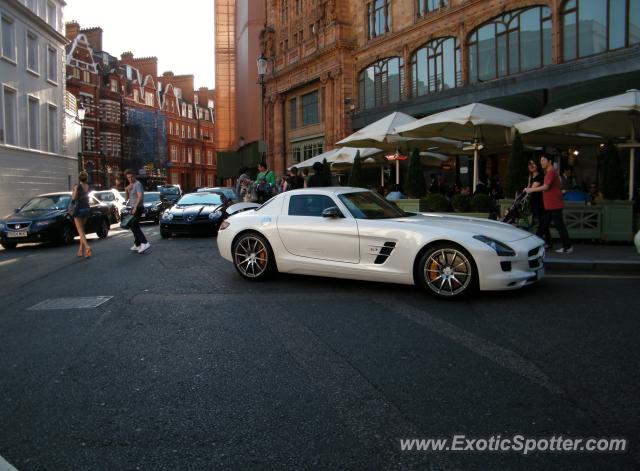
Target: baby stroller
{"x": 518, "y": 210}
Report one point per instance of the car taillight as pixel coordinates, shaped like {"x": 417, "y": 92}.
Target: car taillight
{"x": 224, "y": 225}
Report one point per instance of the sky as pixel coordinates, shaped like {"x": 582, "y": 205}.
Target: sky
{"x": 180, "y": 34}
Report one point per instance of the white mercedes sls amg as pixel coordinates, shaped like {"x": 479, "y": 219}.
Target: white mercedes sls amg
{"x": 356, "y": 234}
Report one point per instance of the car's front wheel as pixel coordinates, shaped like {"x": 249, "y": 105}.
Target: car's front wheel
{"x": 253, "y": 257}
{"x": 9, "y": 245}
{"x": 68, "y": 234}
{"x": 447, "y": 271}
{"x": 164, "y": 234}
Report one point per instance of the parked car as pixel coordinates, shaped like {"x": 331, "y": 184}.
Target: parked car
{"x": 113, "y": 199}
{"x": 199, "y": 213}
{"x": 227, "y": 191}
{"x": 170, "y": 193}
{"x": 152, "y": 207}
{"x": 47, "y": 218}
{"x": 354, "y": 233}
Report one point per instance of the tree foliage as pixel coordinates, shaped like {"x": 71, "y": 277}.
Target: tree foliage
{"x": 355, "y": 177}
{"x": 517, "y": 173}
{"x": 415, "y": 185}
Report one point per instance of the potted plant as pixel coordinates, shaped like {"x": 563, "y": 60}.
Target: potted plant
{"x": 481, "y": 203}
{"x": 461, "y": 203}
{"x": 355, "y": 177}
{"x": 517, "y": 173}
{"x": 617, "y": 213}
{"x": 437, "y": 202}
{"x": 415, "y": 185}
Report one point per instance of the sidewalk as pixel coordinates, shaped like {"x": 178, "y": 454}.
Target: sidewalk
{"x": 600, "y": 257}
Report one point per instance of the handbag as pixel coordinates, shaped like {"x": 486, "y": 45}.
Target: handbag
{"x": 127, "y": 220}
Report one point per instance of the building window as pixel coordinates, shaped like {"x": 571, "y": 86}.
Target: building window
{"x": 32, "y": 52}
{"x": 198, "y": 156}
{"x": 189, "y": 132}
{"x": 310, "y": 114}
{"x": 514, "y": 42}
{"x": 89, "y": 139}
{"x": 210, "y": 181}
{"x": 34, "y": 123}
{"x": 8, "y": 39}
{"x": 175, "y": 179}
{"x": 427, "y": 6}
{"x": 198, "y": 179}
{"x": 136, "y": 95}
{"x": 52, "y": 15}
{"x": 33, "y": 5}
{"x": 52, "y": 128}
{"x": 52, "y": 64}
{"x": 293, "y": 113}
{"x": 183, "y": 157}
{"x": 436, "y": 67}
{"x": 86, "y": 76}
{"x": 284, "y": 12}
{"x": 148, "y": 99}
{"x": 10, "y": 116}
{"x": 174, "y": 153}
{"x": 596, "y": 26}
{"x": 189, "y": 155}
{"x": 209, "y": 157}
{"x": 114, "y": 86}
{"x": 110, "y": 144}
{"x": 379, "y": 17}
{"x": 381, "y": 83}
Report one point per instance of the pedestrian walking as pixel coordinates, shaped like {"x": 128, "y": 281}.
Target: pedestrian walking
{"x": 553, "y": 205}
{"x": 135, "y": 195}
{"x": 81, "y": 210}
{"x": 536, "y": 179}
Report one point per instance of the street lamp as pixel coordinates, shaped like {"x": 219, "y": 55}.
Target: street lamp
{"x": 262, "y": 64}
{"x": 81, "y": 114}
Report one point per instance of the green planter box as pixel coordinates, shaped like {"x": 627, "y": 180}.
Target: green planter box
{"x": 617, "y": 221}
{"x": 411, "y": 205}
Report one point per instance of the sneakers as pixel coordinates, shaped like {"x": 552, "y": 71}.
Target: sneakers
{"x": 569, "y": 250}
{"x": 144, "y": 247}
{"x": 135, "y": 248}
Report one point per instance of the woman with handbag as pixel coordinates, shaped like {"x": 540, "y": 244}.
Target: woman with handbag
{"x": 80, "y": 198}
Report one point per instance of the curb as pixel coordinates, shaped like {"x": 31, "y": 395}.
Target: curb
{"x": 616, "y": 266}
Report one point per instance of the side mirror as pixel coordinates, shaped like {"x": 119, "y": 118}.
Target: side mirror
{"x": 331, "y": 212}
{"x": 17, "y": 210}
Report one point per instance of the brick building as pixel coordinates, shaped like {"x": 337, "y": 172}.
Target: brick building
{"x": 338, "y": 66}
{"x": 134, "y": 118}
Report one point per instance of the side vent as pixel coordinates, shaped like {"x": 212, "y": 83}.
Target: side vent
{"x": 385, "y": 251}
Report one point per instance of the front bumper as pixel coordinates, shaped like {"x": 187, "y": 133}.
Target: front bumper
{"x": 189, "y": 228}
{"x": 48, "y": 233}
{"x": 506, "y": 273}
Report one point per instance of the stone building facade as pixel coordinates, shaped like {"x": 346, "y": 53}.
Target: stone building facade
{"x": 340, "y": 65}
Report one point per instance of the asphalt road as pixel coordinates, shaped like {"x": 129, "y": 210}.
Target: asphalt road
{"x": 187, "y": 366}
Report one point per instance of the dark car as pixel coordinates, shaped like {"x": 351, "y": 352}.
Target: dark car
{"x": 152, "y": 207}
{"x": 170, "y": 193}
{"x": 47, "y": 218}
{"x": 194, "y": 213}
{"x": 113, "y": 199}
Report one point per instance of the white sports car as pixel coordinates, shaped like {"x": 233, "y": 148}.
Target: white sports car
{"x": 354, "y": 233}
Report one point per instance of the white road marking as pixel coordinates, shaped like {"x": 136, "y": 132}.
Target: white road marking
{"x": 5, "y": 466}
{"x": 8, "y": 262}
{"x": 506, "y": 358}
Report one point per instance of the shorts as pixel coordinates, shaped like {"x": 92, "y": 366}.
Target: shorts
{"x": 81, "y": 213}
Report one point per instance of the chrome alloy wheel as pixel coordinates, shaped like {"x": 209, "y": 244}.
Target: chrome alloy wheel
{"x": 251, "y": 256}
{"x": 447, "y": 272}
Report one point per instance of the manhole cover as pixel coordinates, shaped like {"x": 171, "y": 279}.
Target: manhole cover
{"x": 71, "y": 303}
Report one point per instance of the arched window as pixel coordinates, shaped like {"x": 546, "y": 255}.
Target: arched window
{"x": 594, "y": 26}
{"x": 435, "y": 67}
{"x": 381, "y": 83}
{"x": 514, "y": 42}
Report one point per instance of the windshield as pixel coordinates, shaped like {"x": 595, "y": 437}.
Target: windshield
{"x": 200, "y": 198}
{"x": 172, "y": 190}
{"x": 104, "y": 195}
{"x": 43, "y": 203}
{"x": 369, "y": 205}
{"x": 151, "y": 197}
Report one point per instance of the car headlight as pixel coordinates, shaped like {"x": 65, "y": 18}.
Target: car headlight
{"x": 167, "y": 216}
{"x": 43, "y": 223}
{"x": 503, "y": 250}
{"x": 1, "y": 226}
{"x": 215, "y": 215}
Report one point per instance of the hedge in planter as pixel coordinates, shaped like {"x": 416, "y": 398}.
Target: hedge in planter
{"x": 355, "y": 177}
{"x": 414, "y": 184}
{"x": 482, "y": 203}
{"x": 461, "y": 203}
{"x": 437, "y": 202}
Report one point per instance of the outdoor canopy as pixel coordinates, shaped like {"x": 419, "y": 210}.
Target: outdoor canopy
{"x": 613, "y": 118}
{"x": 482, "y": 124}
{"x": 340, "y": 155}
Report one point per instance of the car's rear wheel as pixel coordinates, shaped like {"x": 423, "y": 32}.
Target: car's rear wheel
{"x": 164, "y": 234}
{"x": 103, "y": 230}
{"x": 447, "y": 271}
{"x": 68, "y": 234}
{"x": 9, "y": 245}
{"x": 253, "y": 257}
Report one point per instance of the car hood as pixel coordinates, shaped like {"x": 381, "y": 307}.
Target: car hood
{"x": 32, "y": 215}
{"x": 475, "y": 226}
{"x": 193, "y": 210}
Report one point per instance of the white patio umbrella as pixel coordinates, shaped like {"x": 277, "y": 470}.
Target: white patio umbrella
{"x": 381, "y": 134}
{"x": 483, "y": 124}
{"x": 338, "y": 155}
{"x": 612, "y": 118}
